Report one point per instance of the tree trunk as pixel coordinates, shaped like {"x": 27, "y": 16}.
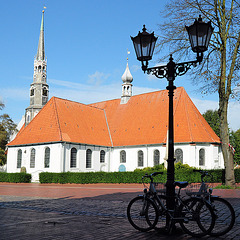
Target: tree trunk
{"x": 226, "y": 150}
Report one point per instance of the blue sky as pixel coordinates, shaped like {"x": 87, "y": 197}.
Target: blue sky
{"x": 86, "y": 46}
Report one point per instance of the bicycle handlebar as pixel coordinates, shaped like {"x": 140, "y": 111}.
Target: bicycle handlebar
{"x": 203, "y": 173}
{"x": 151, "y": 175}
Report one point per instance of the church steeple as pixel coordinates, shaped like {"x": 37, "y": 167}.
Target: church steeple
{"x": 41, "y": 51}
{"x": 127, "y": 85}
{"x": 39, "y": 88}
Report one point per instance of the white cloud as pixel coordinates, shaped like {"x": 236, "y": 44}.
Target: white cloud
{"x": 97, "y": 78}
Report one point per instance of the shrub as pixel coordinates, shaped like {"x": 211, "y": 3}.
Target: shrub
{"x": 184, "y": 173}
{"x": 15, "y": 177}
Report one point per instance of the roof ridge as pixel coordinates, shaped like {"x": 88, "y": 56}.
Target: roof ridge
{"x": 87, "y": 105}
{"x": 58, "y": 123}
{"x": 200, "y": 119}
{"x": 188, "y": 120}
{"x": 108, "y": 127}
{"x": 131, "y": 96}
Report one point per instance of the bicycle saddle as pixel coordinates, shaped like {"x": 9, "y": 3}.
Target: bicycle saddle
{"x": 181, "y": 184}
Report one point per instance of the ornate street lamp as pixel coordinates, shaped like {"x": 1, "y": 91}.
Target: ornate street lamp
{"x": 144, "y": 44}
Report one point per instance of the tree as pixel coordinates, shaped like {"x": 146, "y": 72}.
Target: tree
{"x": 7, "y": 128}
{"x": 8, "y": 125}
{"x": 3, "y": 157}
{"x": 235, "y": 142}
{"x": 219, "y": 70}
{"x": 1, "y": 105}
{"x": 213, "y": 120}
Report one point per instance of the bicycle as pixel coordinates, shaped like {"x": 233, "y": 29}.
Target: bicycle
{"x": 195, "y": 216}
{"x": 225, "y": 214}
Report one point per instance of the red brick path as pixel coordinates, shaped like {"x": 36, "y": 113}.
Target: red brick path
{"x": 83, "y": 190}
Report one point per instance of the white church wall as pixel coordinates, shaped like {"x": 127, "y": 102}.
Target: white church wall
{"x": 39, "y": 166}
{"x": 60, "y": 157}
{"x": 213, "y": 156}
{"x": 96, "y": 165}
{"x": 132, "y": 157}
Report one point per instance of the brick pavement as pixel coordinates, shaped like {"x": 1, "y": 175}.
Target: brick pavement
{"x": 99, "y": 217}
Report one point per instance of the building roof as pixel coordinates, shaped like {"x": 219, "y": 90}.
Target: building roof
{"x": 143, "y": 120}
{"x": 62, "y": 120}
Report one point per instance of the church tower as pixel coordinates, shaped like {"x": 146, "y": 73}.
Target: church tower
{"x": 127, "y": 85}
{"x": 39, "y": 88}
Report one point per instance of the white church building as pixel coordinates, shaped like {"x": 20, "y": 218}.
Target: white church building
{"x": 122, "y": 134}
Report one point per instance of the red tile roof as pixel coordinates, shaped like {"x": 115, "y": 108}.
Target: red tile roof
{"x": 66, "y": 121}
{"x": 142, "y": 120}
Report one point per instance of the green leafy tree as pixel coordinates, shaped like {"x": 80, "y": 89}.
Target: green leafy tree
{"x": 7, "y": 128}
{"x": 8, "y": 124}
{"x": 219, "y": 70}
{"x": 3, "y": 137}
{"x": 235, "y": 142}
{"x": 3, "y": 157}
{"x": 212, "y": 117}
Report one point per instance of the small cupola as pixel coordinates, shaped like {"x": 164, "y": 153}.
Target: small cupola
{"x": 127, "y": 76}
{"x": 127, "y": 79}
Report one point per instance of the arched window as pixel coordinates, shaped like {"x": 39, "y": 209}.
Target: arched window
{"x": 44, "y": 91}
{"x": 32, "y": 92}
{"x": 73, "y": 162}
{"x": 122, "y": 156}
{"x": 201, "y": 157}
{"x": 19, "y": 158}
{"x": 47, "y": 157}
{"x": 89, "y": 158}
{"x": 140, "y": 158}
{"x": 32, "y": 158}
{"x": 156, "y": 157}
{"x": 102, "y": 156}
{"x": 179, "y": 155}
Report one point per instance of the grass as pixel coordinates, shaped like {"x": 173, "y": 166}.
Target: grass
{"x": 225, "y": 187}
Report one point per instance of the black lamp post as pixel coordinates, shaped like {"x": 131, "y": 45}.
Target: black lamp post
{"x": 144, "y": 44}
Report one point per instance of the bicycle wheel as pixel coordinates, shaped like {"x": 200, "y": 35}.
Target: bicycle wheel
{"x": 142, "y": 213}
{"x": 162, "y": 214}
{"x": 225, "y": 216}
{"x": 199, "y": 217}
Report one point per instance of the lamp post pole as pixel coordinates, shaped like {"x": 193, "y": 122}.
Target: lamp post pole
{"x": 144, "y": 44}
{"x": 170, "y": 169}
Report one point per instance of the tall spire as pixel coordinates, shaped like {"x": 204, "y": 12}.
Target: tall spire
{"x": 39, "y": 89}
{"x": 41, "y": 50}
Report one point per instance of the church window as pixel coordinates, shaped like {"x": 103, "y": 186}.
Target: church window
{"x": 122, "y": 156}
{"x": 32, "y": 92}
{"x": 47, "y": 158}
{"x": 19, "y": 158}
{"x": 32, "y": 158}
{"x": 44, "y": 91}
{"x": 73, "y": 162}
{"x": 89, "y": 158}
{"x": 201, "y": 157}
{"x": 102, "y": 156}
{"x": 179, "y": 155}
{"x": 140, "y": 158}
{"x": 156, "y": 157}
{"x": 28, "y": 118}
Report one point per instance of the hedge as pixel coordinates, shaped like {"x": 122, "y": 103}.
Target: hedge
{"x": 15, "y": 177}
{"x": 127, "y": 177}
